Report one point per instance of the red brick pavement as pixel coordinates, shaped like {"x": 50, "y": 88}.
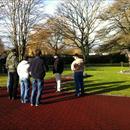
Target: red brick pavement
{"x": 63, "y": 111}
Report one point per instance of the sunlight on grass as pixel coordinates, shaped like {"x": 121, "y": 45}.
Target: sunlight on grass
{"x": 3, "y": 80}
{"x": 102, "y": 80}
{"x": 108, "y": 80}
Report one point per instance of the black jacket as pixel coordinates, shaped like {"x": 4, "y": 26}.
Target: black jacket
{"x": 58, "y": 66}
{"x": 37, "y": 68}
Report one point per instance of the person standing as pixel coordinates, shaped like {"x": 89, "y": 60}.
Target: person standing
{"x": 77, "y": 67}
{"x": 58, "y": 68}
{"x": 11, "y": 66}
{"x": 23, "y": 73}
{"x": 37, "y": 70}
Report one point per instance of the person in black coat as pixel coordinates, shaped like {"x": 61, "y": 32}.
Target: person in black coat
{"x": 37, "y": 70}
{"x": 58, "y": 68}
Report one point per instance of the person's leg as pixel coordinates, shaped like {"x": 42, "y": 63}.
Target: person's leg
{"x": 58, "y": 81}
{"x": 34, "y": 89}
{"x": 22, "y": 90}
{"x": 76, "y": 79}
{"x": 40, "y": 84}
{"x": 27, "y": 90}
{"x": 81, "y": 82}
{"x": 10, "y": 84}
{"x": 15, "y": 86}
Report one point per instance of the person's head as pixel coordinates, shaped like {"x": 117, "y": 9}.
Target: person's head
{"x": 25, "y": 57}
{"x": 13, "y": 50}
{"x": 55, "y": 56}
{"x": 38, "y": 52}
{"x": 75, "y": 56}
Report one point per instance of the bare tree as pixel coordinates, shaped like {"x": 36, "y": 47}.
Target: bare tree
{"x": 116, "y": 34}
{"x": 48, "y": 37}
{"x": 1, "y": 47}
{"x": 56, "y": 43}
{"x": 56, "y": 40}
{"x": 19, "y": 17}
{"x": 78, "y": 22}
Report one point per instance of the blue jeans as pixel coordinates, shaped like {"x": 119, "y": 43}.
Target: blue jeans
{"x": 78, "y": 78}
{"x": 37, "y": 87}
{"x": 25, "y": 89}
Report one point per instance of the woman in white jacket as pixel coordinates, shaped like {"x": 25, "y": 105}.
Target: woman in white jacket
{"x": 23, "y": 73}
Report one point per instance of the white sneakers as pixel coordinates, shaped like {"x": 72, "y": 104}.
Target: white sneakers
{"x": 35, "y": 105}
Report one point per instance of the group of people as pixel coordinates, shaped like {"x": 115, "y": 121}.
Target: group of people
{"x": 36, "y": 69}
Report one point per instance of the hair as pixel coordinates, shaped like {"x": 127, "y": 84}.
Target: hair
{"x": 13, "y": 50}
{"x": 38, "y": 52}
{"x": 77, "y": 55}
{"x": 25, "y": 57}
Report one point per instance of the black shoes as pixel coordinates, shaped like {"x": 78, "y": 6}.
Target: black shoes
{"x": 12, "y": 98}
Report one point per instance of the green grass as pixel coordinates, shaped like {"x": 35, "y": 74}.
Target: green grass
{"x": 105, "y": 80}
{"x": 102, "y": 80}
{"x": 3, "y": 77}
{"x": 3, "y": 80}
{"x": 108, "y": 80}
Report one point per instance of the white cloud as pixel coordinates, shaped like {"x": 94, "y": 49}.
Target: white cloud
{"x": 51, "y": 6}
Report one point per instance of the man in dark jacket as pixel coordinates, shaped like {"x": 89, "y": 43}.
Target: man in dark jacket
{"x": 58, "y": 67}
{"x": 37, "y": 70}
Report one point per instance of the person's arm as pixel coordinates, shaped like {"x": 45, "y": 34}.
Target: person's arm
{"x": 6, "y": 64}
{"x": 18, "y": 69}
{"x": 30, "y": 68}
{"x": 15, "y": 62}
{"x": 72, "y": 66}
{"x": 56, "y": 65}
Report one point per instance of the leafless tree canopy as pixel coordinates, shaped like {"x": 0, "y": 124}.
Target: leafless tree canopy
{"x": 117, "y": 32}
{"x": 78, "y": 20}
{"x": 19, "y": 17}
{"x": 1, "y": 47}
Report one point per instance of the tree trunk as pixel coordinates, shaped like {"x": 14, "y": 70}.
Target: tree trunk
{"x": 85, "y": 53}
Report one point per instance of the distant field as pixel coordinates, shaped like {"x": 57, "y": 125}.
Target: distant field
{"x": 102, "y": 80}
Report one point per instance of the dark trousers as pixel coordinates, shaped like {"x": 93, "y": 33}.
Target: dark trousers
{"x": 78, "y": 77}
{"x": 12, "y": 84}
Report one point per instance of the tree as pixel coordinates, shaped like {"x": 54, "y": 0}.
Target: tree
{"x": 77, "y": 19}
{"x": 116, "y": 34}
{"x": 19, "y": 17}
{"x": 48, "y": 37}
{"x": 56, "y": 40}
{"x": 1, "y": 47}
{"x": 39, "y": 39}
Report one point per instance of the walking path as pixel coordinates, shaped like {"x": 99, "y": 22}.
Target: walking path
{"x": 63, "y": 111}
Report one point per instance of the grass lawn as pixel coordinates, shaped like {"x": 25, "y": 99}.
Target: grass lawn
{"x": 3, "y": 77}
{"x": 108, "y": 80}
{"x": 102, "y": 80}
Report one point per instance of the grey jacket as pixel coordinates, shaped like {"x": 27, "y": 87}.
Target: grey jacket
{"x": 11, "y": 62}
